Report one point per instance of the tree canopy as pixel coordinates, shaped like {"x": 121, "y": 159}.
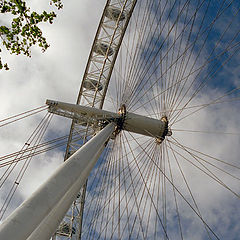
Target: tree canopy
{"x": 23, "y": 31}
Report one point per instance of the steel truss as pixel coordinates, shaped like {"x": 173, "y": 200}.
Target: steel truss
{"x": 103, "y": 54}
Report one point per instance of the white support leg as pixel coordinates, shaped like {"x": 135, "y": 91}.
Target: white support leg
{"x": 50, "y": 223}
{"x": 40, "y": 210}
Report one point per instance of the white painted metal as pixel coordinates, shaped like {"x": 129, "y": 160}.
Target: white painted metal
{"x": 83, "y": 111}
{"x": 102, "y": 59}
{"x": 111, "y": 29}
{"x": 132, "y": 122}
{"x": 144, "y": 125}
{"x": 43, "y": 208}
{"x": 50, "y": 223}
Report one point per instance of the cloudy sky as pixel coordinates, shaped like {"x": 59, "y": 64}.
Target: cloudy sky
{"x": 198, "y": 140}
{"x": 56, "y": 74}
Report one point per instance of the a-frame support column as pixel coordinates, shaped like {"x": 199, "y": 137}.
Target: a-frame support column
{"x": 39, "y": 216}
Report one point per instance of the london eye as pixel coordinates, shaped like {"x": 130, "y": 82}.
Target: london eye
{"x": 153, "y": 146}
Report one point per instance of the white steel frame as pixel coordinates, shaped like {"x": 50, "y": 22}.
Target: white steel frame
{"x": 39, "y": 216}
{"x": 99, "y": 68}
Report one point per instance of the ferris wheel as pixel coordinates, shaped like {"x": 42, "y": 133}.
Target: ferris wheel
{"x": 153, "y": 148}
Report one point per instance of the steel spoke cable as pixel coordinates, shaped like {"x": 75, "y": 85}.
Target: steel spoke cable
{"x": 38, "y": 146}
{"x": 20, "y": 118}
{"x": 129, "y": 78}
{"x": 181, "y": 73}
{"x": 193, "y": 45}
{"x": 151, "y": 86}
{"x": 139, "y": 45}
{"x": 164, "y": 189}
{"x": 17, "y": 115}
{"x": 174, "y": 192}
{"x": 139, "y": 81}
{"x": 114, "y": 205}
{"x": 182, "y": 196}
{"x": 163, "y": 103}
{"x": 187, "y": 185}
{"x": 166, "y": 61}
{"x": 155, "y": 156}
{"x": 212, "y": 52}
{"x": 145, "y": 185}
{"x": 158, "y": 191}
{"x": 102, "y": 189}
{"x": 123, "y": 94}
{"x": 152, "y": 108}
{"x": 188, "y": 39}
{"x": 213, "y": 165}
{"x": 115, "y": 191}
{"x": 207, "y": 171}
{"x": 106, "y": 177}
{"x": 194, "y": 106}
{"x": 100, "y": 171}
{"x": 111, "y": 183}
{"x": 29, "y": 141}
{"x": 226, "y": 94}
{"x": 158, "y": 160}
{"x": 129, "y": 163}
{"x": 115, "y": 160}
{"x": 23, "y": 169}
{"x": 181, "y": 41}
{"x": 204, "y": 82}
{"x": 142, "y": 196}
{"x": 125, "y": 189}
{"x": 201, "y": 131}
{"x": 138, "y": 42}
{"x": 163, "y": 91}
{"x": 113, "y": 230}
{"x": 107, "y": 201}
{"x": 110, "y": 198}
{"x": 119, "y": 188}
{"x": 148, "y": 47}
{"x": 134, "y": 194}
{"x": 213, "y": 158}
{"x": 173, "y": 51}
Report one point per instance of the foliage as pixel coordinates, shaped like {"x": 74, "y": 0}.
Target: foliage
{"x": 23, "y": 32}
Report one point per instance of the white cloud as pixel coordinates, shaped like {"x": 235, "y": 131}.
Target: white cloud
{"x": 57, "y": 74}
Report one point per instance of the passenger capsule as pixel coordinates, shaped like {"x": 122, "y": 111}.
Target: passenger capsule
{"x": 64, "y": 227}
{"x": 114, "y": 14}
{"x": 93, "y": 85}
{"x": 102, "y": 48}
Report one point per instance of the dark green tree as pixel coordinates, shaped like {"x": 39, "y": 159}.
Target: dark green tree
{"x": 23, "y": 31}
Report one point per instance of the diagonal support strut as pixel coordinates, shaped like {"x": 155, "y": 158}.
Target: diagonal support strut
{"x": 39, "y": 216}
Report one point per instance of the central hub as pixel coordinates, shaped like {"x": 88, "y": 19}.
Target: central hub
{"x": 120, "y": 119}
{"x": 124, "y": 120}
